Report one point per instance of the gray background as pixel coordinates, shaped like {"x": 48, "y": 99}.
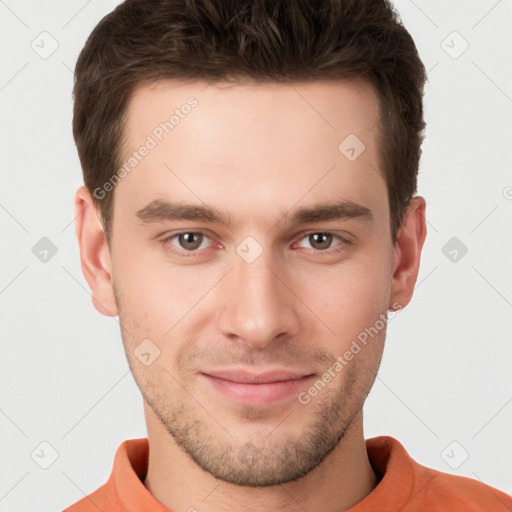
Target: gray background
{"x": 444, "y": 389}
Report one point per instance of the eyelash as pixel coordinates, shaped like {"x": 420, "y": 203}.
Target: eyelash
{"x": 187, "y": 254}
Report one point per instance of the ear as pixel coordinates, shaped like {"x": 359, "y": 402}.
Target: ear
{"x": 94, "y": 253}
{"x": 407, "y": 252}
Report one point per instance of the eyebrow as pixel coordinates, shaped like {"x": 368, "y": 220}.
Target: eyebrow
{"x": 161, "y": 210}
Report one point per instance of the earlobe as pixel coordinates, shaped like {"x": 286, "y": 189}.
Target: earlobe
{"x": 407, "y": 253}
{"x": 94, "y": 253}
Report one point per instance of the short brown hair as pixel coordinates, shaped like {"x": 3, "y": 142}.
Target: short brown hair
{"x": 262, "y": 40}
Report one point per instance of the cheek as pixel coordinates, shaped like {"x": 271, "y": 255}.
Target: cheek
{"x": 348, "y": 296}
{"x": 155, "y": 295}
{"x": 151, "y": 264}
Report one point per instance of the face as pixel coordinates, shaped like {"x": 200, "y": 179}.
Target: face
{"x": 249, "y": 254}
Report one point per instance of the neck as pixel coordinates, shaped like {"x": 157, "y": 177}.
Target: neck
{"x": 344, "y": 478}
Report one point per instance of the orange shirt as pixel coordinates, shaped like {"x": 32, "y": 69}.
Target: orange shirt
{"x": 404, "y": 485}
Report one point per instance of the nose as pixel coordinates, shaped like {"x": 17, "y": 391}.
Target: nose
{"x": 259, "y": 304}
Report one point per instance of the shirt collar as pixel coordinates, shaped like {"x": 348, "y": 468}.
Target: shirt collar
{"x": 389, "y": 459}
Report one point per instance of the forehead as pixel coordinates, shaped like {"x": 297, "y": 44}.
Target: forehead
{"x": 263, "y": 143}
{"x": 338, "y": 105}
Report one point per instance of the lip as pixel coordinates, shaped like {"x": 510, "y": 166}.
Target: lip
{"x": 248, "y": 388}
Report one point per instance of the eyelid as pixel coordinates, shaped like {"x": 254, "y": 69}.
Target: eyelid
{"x": 176, "y": 250}
{"x": 344, "y": 241}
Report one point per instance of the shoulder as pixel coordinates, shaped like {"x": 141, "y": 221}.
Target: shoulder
{"x": 412, "y": 487}
{"x": 455, "y": 492}
{"x": 124, "y": 483}
{"x": 442, "y": 491}
{"x": 100, "y": 499}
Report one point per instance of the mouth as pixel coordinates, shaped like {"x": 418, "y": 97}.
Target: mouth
{"x": 248, "y": 388}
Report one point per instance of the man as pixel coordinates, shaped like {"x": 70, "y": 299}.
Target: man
{"x": 249, "y": 213}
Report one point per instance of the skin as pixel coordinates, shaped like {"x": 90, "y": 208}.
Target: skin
{"x": 254, "y": 152}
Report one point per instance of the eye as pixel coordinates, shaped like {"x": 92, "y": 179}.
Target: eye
{"x": 322, "y": 241}
{"x": 189, "y": 241}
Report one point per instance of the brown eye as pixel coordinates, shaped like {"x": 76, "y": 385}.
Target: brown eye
{"x": 323, "y": 241}
{"x": 320, "y": 241}
{"x": 190, "y": 241}
{"x": 189, "y": 244}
